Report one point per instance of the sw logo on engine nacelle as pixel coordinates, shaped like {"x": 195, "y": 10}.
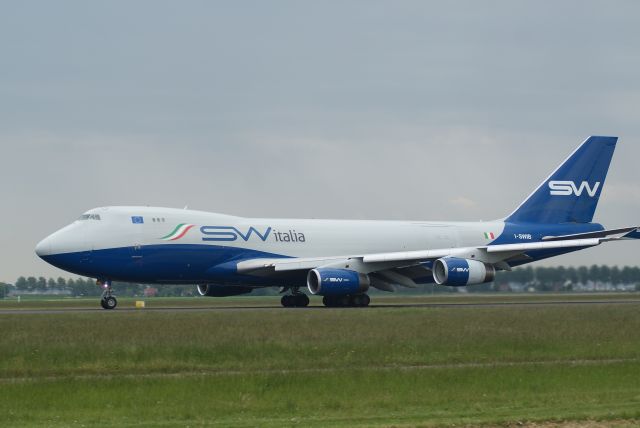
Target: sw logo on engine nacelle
{"x": 568, "y": 188}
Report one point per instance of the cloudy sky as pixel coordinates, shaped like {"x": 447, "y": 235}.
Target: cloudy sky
{"x": 335, "y": 109}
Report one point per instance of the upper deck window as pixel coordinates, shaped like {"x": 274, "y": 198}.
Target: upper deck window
{"x": 89, "y": 217}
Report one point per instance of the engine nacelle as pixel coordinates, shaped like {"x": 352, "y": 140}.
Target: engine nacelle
{"x": 213, "y": 290}
{"x": 459, "y": 272}
{"x": 334, "y": 282}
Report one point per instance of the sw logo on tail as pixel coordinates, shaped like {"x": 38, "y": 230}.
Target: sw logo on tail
{"x": 568, "y": 188}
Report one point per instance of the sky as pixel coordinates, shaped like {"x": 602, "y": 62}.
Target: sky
{"x": 409, "y": 110}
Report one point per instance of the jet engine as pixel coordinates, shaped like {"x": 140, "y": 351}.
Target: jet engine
{"x": 334, "y": 282}
{"x": 459, "y": 272}
{"x": 213, "y": 290}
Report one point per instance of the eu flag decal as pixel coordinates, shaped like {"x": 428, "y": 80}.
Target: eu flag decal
{"x": 137, "y": 219}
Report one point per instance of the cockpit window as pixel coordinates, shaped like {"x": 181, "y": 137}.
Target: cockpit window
{"x": 89, "y": 217}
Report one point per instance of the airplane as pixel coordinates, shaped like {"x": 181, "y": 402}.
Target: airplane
{"x": 340, "y": 260}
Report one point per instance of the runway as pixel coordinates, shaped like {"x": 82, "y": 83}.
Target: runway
{"x": 373, "y": 306}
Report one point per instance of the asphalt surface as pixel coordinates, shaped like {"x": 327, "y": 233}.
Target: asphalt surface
{"x": 373, "y": 306}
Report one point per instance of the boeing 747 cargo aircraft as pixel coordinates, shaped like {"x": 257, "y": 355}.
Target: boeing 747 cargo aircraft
{"x": 340, "y": 260}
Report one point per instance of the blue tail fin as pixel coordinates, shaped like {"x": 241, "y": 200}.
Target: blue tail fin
{"x": 571, "y": 193}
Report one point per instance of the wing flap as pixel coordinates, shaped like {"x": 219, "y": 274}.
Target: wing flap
{"x": 288, "y": 264}
{"x": 422, "y": 255}
{"x": 381, "y": 283}
{"x": 397, "y": 278}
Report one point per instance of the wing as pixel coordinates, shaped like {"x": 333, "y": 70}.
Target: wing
{"x": 410, "y": 268}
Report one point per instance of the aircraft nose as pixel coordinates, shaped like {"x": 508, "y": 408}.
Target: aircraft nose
{"x": 44, "y": 247}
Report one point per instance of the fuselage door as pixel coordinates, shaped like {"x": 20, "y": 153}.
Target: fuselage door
{"x": 137, "y": 236}
{"x": 136, "y": 252}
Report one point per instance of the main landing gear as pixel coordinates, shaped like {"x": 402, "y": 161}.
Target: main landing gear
{"x": 295, "y": 300}
{"x": 348, "y": 300}
{"x": 108, "y": 300}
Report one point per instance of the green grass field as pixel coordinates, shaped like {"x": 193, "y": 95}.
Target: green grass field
{"x": 391, "y": 366}
{"x": 58, "y": 302}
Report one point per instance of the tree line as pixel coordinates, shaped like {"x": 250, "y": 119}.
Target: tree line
{"x": 576, "y": 275}
{"x": 538, "y": 278}
{"x": 78, "y": 287}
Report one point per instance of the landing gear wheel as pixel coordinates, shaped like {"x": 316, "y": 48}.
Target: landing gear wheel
{"x": 332, "y": 301}
{"x": 336, "y": 301}
{"x": 360, "y": 300}
{"x": 343, "y": 301}
{"x": 109, "y": 302}
{"x": 298, "y": 300}
{"x": 366, "y": 300}
{"x": 301, "y": 300}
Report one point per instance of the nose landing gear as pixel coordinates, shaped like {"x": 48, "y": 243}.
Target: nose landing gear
{"x": 108, "y": 300}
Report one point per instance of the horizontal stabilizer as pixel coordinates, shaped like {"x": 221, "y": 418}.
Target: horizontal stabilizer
{"x": 611, "y": 234}
{"x": 530, "y": 246}
{"x": 633, "y": 235}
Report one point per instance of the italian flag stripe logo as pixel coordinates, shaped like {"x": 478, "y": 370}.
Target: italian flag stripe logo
{"x": 489, "y": 235}
{"x": 178, "y": 232}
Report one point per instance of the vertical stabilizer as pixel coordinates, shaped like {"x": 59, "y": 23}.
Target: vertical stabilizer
{"x": 572, "y": 191}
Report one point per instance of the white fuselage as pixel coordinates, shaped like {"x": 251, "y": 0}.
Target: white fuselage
{"x": 285, "y": 237}
{"x": 165, "y": 245}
